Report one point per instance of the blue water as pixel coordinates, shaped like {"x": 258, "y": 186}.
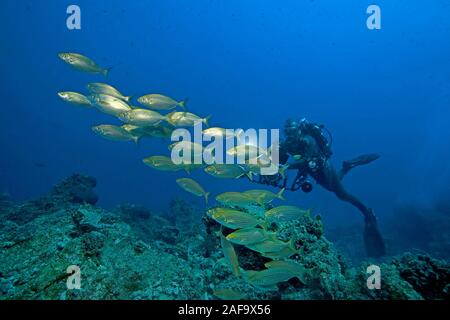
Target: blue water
{"x": 249, "y": 64}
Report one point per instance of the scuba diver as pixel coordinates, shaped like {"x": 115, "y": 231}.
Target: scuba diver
{"x": 307, "y": 150}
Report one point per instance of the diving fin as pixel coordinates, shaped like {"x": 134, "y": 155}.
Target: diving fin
{"x": 358, "y": 161}
{"x": 373, "y": 241}
{"x": 361, "y": 160}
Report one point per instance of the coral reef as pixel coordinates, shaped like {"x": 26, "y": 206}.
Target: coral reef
{"x": 147, "y": 225}
{"x": 134, "y": 253}
{"x": 114, "y": 262}
{"x": 184, "y": 215}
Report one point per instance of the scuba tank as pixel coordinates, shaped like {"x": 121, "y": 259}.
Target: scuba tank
{"x": 317, "y": 131}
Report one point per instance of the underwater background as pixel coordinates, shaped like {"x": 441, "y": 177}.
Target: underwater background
{"x": 248, "y": 64}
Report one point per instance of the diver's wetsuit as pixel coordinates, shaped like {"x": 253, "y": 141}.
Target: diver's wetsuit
{"x": 307, "y": 140}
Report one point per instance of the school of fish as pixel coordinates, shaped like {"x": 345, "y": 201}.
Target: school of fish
{"x": 242, "y": 226}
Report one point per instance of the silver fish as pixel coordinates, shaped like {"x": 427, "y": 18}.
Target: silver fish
{"x": 75, "y": 98}
{"x": 114, "y": 133}
{"x": 142, "y": 117}
{"x": 103, "y": 88}
{"x": 160, "y": 102}
{"x": 82, "y": 63}
{"x": 109, "y": 104}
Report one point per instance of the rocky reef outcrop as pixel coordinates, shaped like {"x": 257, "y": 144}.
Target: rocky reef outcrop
{"x": 76, "y": 189}
{"x": 5, "y": 200}
{"x": 410, "y": 228}
{"x": 429, "y": 277}
{"x": 134, "y": 253}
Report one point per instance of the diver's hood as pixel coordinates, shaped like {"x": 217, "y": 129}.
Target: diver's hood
{"x": 291, "y": 127}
